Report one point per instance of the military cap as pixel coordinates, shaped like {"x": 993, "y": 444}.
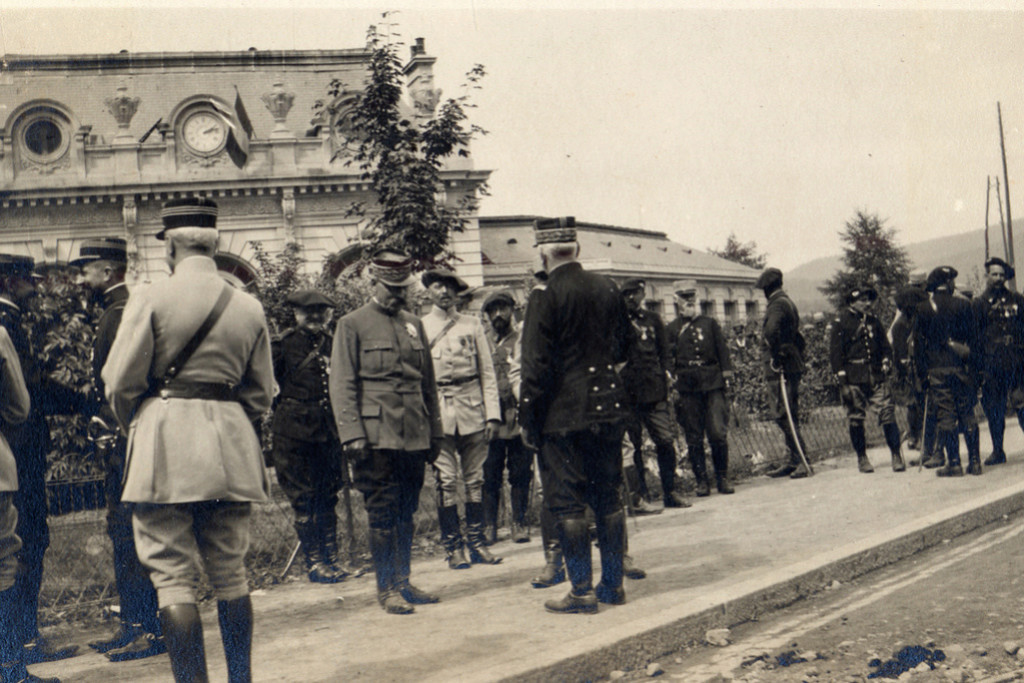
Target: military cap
{"x": 16, "y": 264}
{"x": 869, "y": 293}
{"x": 940, "y": 276}
{"x": 308, "y": 298}
{"x": 632, "y": 284}
{"x": 909, "y": 297}
{"x": 685, "y": 288}
{"x": 392, "y": 268}
{"x": 188, "y": 212}
{"x": 442, "y": 275}
{"x": 101, "y": 249}
{"x": 498, "y": 299}
{"x": 771, "y": 277}
{"x": 1007, "y": 268}
{"x": 918, "y": 278}
{"x": 555, "y": 230}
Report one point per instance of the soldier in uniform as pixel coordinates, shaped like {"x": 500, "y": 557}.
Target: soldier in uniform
{"x": 385, "y": 403}
{"x": 103, "y": 262}
{"x": 1000, "y": 314}
{"x": 906, "y": 391}
{"x": 783, "y": 352}
{"x": 470, "y": 412}
{"x": 573, "y": 407}
{"x": 861, "y": 358}
{"x": 507, "y": 448}
{"x": 30, "y": 442}
{"x": 14, "y": 409}
{"x": 307, "y": 454}
{"x": 187, "y": 375}
{"x": 699, "y": 359}
{"x": 646, "y": 378}
{"x": 947, "y": 358}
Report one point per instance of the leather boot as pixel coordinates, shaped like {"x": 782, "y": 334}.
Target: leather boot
{"x": 934, "y": 459}
{"x": 125, "y": 634}
{"x": 973, "y": 439}
{"x": 235, "y": 619}
{"x": 520, "y": 496}
{"x": 720, "y": 459}
{"x": 892, "y": 439}
{"x": 699, "y": 465}
{"x": 451, "y": 537}
{"x": 997, "y": 458}
{"x": 478, "y": 552}
{"x": 403, "y": 561}
{"x": 490, "y": 504}
{"x": 12, "y": 664}
{"x": 183, "y": 634}
{"x": 309, "y": 536}
{"x": 145, "y": 644}
{"x": 860, "y": 446}
{"x": 575, "y": 540}
{"x": 382, "y": 550}
{"x": 327, "y": 523}
{"x": 951, "y": 440}
{"x": 553, "y": 572}
{"x": 611, "y": 538}
{"x": 639, "y": 487}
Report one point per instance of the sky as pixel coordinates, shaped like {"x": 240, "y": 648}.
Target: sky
{"x": 777, "y": 123}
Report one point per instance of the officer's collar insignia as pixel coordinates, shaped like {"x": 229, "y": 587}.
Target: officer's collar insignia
{"x": 411, "y": 329}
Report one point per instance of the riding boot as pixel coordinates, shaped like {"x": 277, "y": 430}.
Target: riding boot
{"x": 490, "y": 504}
{"x": 382, "y": 550}
{"x": 327, "y": 523}
{"x": 611, "y": 539}
{"x": 699, "y": 465}
{"x": 553, "y": 572}
{"x": 183, "y": 635}
{"x": 667, "y": 474}
{"x": 638, "y": 503}
{"x": 402, "y": 562}
{"x": 720, "y": 460}
{"x": 952, "y": 468}
{"x": 575, "y": 540}
{"x": 451, "y": 537}
{"x": 478, "y": 552}
{"x": 973, "y": 439}
{"x": 641, "y": 472}
{"x": 12, "y": 663}
{"x": 860, "y": 447}
{"x": 235, "y": 618}
{"x": 892, "y": 439}
{"x": 520, "y": 499}
{"x": 309, "y": 536}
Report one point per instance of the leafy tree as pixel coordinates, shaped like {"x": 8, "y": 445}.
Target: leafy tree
{"x": 745, "y": 253}
{"x": 403, "y": 159}
{"x": 871, "y": 258}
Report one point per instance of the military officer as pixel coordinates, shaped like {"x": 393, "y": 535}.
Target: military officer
{"x": 646, "y": 380}
{"x": 103, "y": 263}
{"x": 861, "y": 359}
{"x": 307, "y": 454}
{"x": 946, "y": 358}
{"x": 14, "y": 409}
{"x": 700, "y": 362}
{"x": 30, "y": 442}
{"x": 506, "y": 448}
{"x": 573, "y": 406}
{"x": 187, "y": 375}
{"x": 782, "y": 348}
{"x": 906, "y": 391}
{"x": 1000, "y": 314}
{"x": 385, "y": 403}
{"x": 470, "y": 412}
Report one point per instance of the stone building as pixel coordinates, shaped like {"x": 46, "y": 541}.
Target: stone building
{"x": 92, "y": 145}
{"x": 725, "y": 289}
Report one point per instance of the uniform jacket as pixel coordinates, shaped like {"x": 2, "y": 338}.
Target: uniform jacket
{"x": 1000, "y": 316}
{"x": 462, "y": 353}
{"x": 575, "y": 331}
{"x": 505, "y": 354}
{"x": 185, "y": 450}
{"x": 699, "y": 354}
{"x": 114, "y": 301}
{"x": 644, "y": 372}
{"x": 857, "y": 346}
{"x": 303, "y": 406}
{"x": 943, "y": 319}
{"x": 781, "y": 341}
{"x": 382, "y": 380}
{"x": 14, "y": 407}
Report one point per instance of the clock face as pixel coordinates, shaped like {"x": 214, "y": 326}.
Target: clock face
{"x": 204, "y": 132}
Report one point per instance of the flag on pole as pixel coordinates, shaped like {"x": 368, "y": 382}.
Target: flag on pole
{"x": 240, "y": 130}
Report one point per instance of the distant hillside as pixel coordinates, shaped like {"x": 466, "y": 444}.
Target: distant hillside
{"x": 965, "y": 252}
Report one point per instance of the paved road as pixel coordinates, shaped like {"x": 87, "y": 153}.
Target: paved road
{"x": 953, "y": 613}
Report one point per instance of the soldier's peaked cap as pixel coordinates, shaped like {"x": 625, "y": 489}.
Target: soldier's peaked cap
{"x": 101, "y": 249}
{"x": 308, "y": 298}
{"x": 392, "y": 267}
{"x": 685, "y": 287}
{"x": 498, "y": 299}
{"x": 869, "y": 293}
{"x": 633, "y": 284}
{"x": 1007, "y": 268}
{"x": 443, "y": 275}
{"x": 16, "y": 264}
{"x": 188, "y": 212}
{"x": 940, "y": 276}
{"x": 771, "y": 277}
{"x": 555, "y": 230}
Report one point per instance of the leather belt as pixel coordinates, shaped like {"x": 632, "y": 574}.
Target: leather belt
{"x": 209, "y": 391}
{"x": 700, "y": 363}
{"x": 458, "y": 382}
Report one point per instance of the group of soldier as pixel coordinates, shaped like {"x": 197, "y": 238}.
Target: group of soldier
{"x": 185, "y": 369}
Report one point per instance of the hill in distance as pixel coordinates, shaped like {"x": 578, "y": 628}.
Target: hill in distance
{"x": 965, "y": 252}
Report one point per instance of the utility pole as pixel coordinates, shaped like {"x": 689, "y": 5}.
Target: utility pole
{"x": 1006, "y": 182}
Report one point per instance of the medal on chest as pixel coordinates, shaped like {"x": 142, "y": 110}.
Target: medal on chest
{"x": 411, "y": 329}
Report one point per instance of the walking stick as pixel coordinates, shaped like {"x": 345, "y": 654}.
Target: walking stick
{"x": 291, "y": 560}
{"x": 924, "y": 421}
{"x": 792, "y": 424}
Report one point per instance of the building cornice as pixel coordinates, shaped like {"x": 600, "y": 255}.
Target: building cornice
{"x": 161, "y": 61}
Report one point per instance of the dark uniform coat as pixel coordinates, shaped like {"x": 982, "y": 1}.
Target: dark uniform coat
{"x": 944, "y": 319}
{"x": 699, "y": 354}
{"x": 857, "y": 346}
{"x": 303, "y": 409}
{"x": 644, "y": 372}
{"x": 1000, "y": 317}
{"x": 114, "y": 301}
{"x": 782, "y": 343}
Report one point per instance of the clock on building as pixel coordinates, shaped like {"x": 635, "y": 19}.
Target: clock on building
{"x": 204, "y": 132}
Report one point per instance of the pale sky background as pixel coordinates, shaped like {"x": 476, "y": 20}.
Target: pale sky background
{"x": 776, "y": 124}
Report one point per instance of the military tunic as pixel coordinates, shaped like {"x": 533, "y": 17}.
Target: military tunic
{"x": 1000, "y": 317}
{"x": 700, "y": 361}
{"x": 947, "y": 359}
{"x": 858, "y": 346}
{"x": 782, "y": 347}
{"x": 14, "y": 408}
{"x": 644, "y": 376}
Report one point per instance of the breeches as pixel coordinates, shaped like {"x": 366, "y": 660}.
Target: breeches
{"x": 390, "y": 482}
{"x": 858, "y": 398}
{"x": 658, "y": 420}
{"x": 776, "y": 405}
{"x": 954, "y": 397}
{"x": 468, "y": 452}
{"x": 700, "y": 413}
{"x": 9, "y": 541}
{"x": 310, "y": 473}
{"x": 174, "y": 540}
{"x": 512, "y": 453}
{"x": 583, "y": 468}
